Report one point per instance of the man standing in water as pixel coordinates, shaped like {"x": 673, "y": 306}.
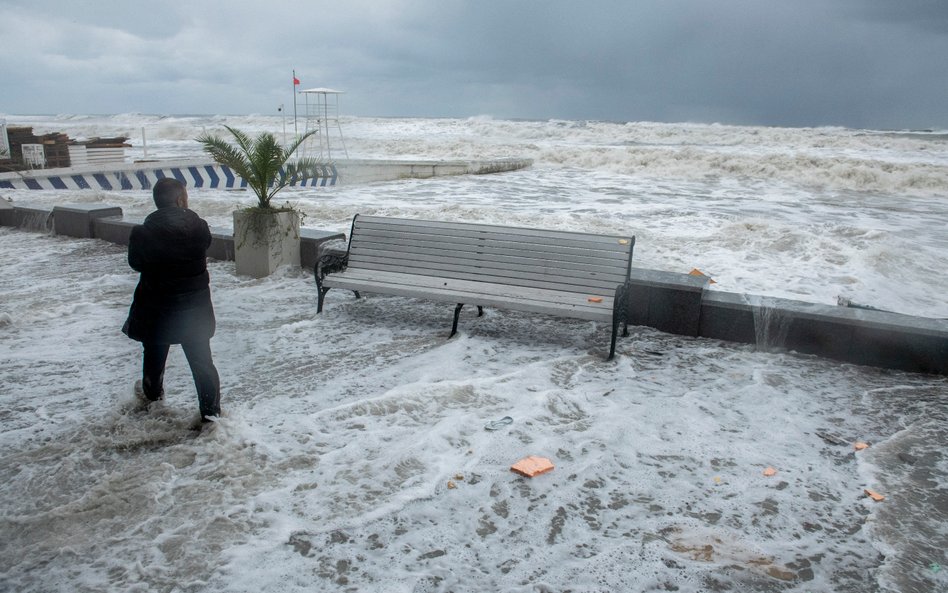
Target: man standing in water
{"x": 172, "y": 302}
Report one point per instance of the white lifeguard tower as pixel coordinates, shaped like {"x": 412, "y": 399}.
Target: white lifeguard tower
{"x": 321, "y": 113}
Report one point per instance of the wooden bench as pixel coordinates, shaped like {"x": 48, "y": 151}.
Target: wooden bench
{"x": 559, "y": 273}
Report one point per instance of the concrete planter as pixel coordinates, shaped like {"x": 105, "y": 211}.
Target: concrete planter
{"x": 265, "y": 239}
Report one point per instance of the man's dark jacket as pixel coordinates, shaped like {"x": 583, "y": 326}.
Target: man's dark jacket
{"x": 172, "y": 302}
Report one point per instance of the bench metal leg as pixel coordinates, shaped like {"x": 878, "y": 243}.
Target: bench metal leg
{"x": 620, "y": 315}
{"x": 612, "y": 345}
{"x": 457, "y": 313}
{"x": 320, "y": 297}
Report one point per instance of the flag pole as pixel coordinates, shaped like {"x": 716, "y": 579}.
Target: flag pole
{"x": 296, "y": 132}
{"x": 283, "y": 113}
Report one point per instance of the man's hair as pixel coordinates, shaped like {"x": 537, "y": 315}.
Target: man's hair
{"x": 167, "y": 191}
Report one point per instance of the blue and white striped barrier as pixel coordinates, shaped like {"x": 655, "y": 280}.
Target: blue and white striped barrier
{"x": 212, "y": 176}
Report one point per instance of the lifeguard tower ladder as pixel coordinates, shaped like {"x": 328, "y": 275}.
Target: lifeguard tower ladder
{"x": 321, "y": 110}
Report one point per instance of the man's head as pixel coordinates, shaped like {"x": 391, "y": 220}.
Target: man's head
{"x": 170, "y": 192}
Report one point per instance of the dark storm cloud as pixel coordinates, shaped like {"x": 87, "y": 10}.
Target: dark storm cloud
{"x": 803, "y": 63}
{"x": 863, "y": 63}
{"x": 931, "y": 15}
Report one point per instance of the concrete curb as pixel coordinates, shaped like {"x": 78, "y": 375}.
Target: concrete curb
{"x": 671, "y": 302}
{"x": 88, "y": 221}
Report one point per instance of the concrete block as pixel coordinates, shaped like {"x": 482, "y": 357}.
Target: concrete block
{"x": 76, "y": 220}
{"x": 895, "y": 348}
{"x": 727, "y": 316}
{"x": 771, "y": 322}
{"x": 113, "y": 229}
{"x": 893, "y": 340}
{"x": 6, "y": 212}
{"x": 823, "y": 335}
{"x": 667, "y": 301}
{"x": 222, "y": 244}
{"x": 31, "y": 219}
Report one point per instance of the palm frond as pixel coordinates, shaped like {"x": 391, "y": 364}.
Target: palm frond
{"x": 243, "y": 140}
{"x": 304, "y": 168}
{"x": 260, "y": 161}
{"x": 226, "y": 154}
{"x": 298, "y": 142}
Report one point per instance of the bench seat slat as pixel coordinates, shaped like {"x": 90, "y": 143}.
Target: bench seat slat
{"x": 476, "y": 293}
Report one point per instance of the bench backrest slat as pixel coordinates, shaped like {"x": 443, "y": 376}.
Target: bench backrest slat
{"x": 559, "y": 260}
{"x": 458, "y": 228}
{"x": 581, "y": 253}
{"x": 509, "y": 260}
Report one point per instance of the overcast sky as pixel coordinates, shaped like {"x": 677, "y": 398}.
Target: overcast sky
{"x": 859, "y": 63}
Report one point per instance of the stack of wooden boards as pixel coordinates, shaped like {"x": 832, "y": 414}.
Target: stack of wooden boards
{"x": 58, "y": 150}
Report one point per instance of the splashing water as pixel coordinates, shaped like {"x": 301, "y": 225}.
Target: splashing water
{"x": 771, "y": 322}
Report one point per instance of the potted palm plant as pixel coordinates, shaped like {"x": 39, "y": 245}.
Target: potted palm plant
{"x": 265, "y": 236}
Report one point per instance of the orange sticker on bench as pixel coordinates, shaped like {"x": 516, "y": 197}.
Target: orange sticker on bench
{"x": 623, "y": 241}
{"x": 532, "y": 466}
{"x": 594, "y": 299}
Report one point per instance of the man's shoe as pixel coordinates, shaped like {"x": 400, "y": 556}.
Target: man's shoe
{"x": 202, "y": 422}
{"x": 141, "y": 401}
{"x": 139, "y": 392}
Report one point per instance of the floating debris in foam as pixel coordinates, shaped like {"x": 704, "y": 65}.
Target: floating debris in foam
{"x": 532, "y": 466}
{"x": 498, "y": 424}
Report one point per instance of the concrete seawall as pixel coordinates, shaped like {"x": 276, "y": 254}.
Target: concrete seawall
{"x": 682, "y": 304}
{"x": 675, "y": 303}
{"x": 206, "y": 174}
{"x": 107, "y": 223}
{"x": 369, "y": 171}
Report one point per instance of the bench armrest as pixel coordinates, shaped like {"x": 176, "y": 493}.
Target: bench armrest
{"x": 328, "y": 263}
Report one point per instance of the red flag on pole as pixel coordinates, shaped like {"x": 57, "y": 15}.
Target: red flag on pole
{"x": 296, "y": 82}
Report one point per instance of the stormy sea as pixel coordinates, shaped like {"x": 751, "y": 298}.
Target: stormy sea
{"x": 360, "y": 450}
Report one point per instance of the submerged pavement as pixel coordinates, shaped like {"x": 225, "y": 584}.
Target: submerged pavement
{"x": 331, "y": 468}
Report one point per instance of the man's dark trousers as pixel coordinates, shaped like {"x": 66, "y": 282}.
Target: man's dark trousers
{"x": 206, "y": 379}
